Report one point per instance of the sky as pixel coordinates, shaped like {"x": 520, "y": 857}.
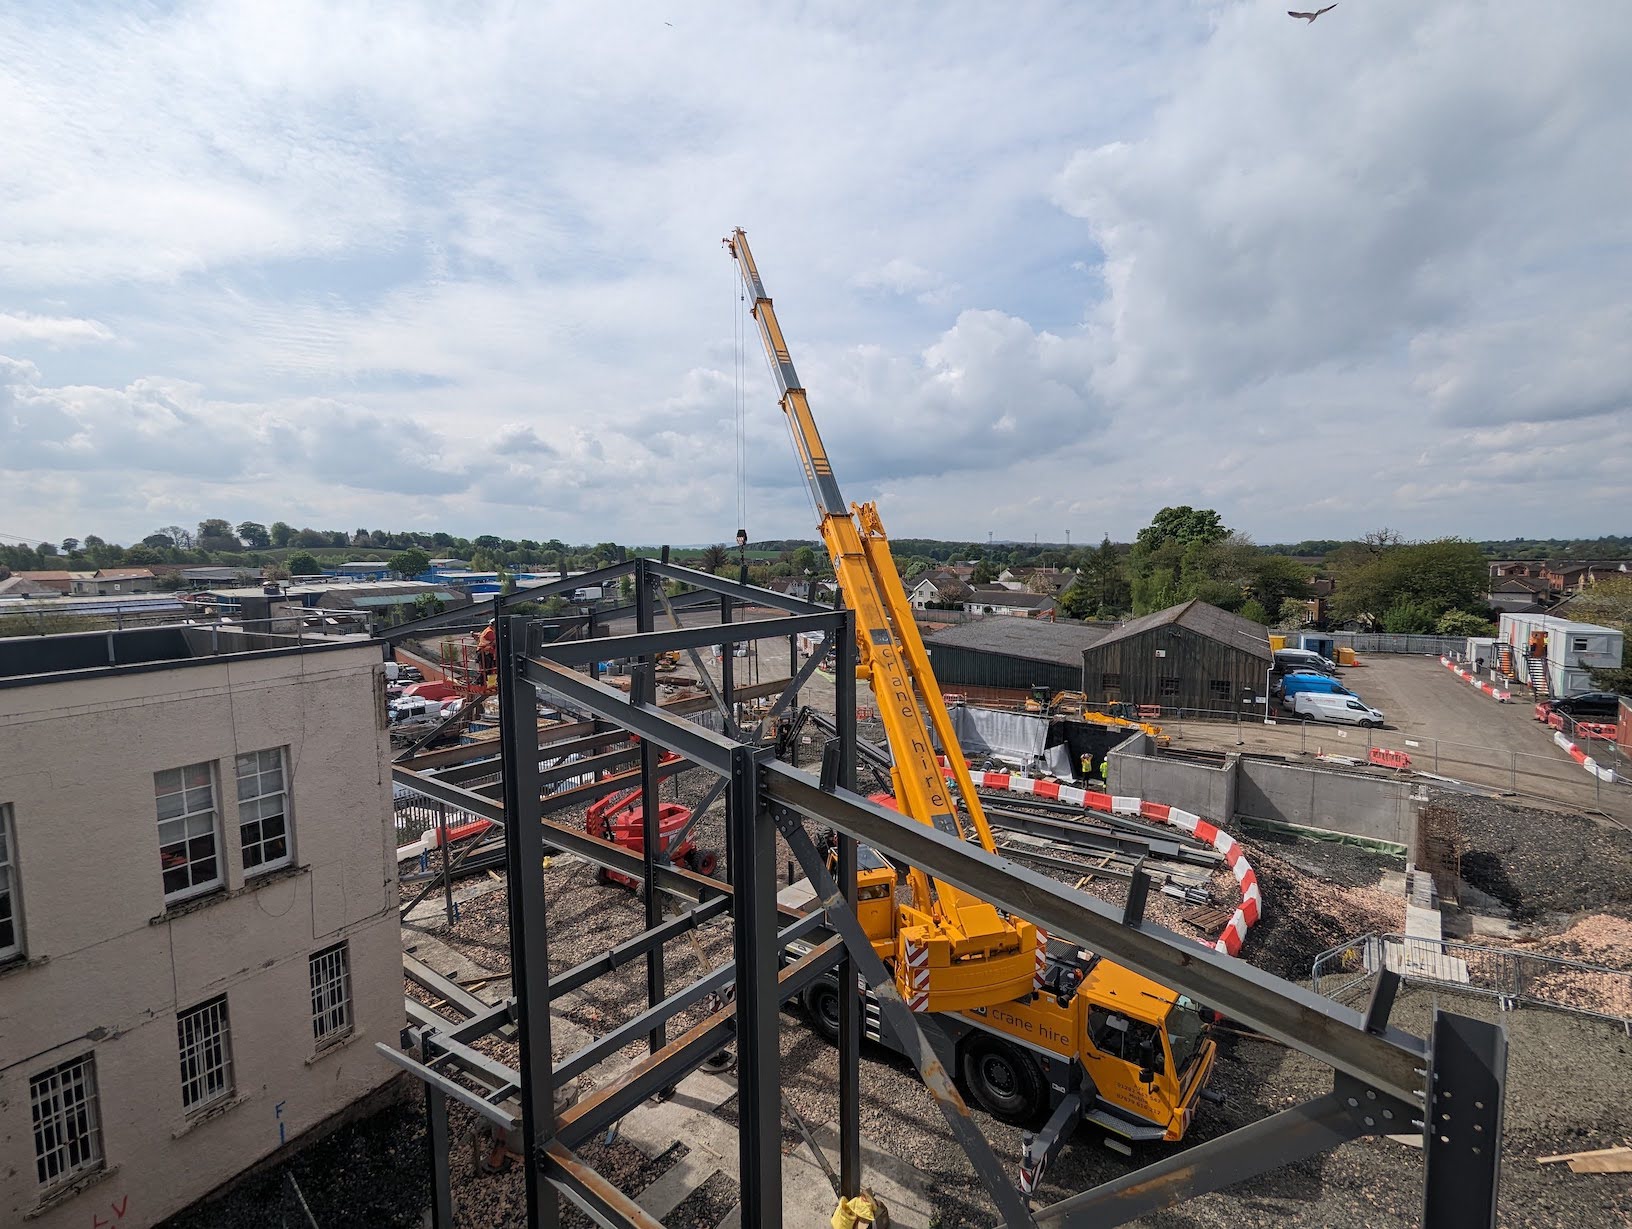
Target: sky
{"x": 1043, "y": 268}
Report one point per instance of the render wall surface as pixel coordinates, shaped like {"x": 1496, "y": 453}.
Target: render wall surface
{"x": 108, "y": 965}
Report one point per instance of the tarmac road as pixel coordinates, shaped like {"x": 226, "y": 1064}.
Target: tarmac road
{"x": 1443, "y": 724}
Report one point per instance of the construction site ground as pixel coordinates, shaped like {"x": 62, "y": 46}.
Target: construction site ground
{"x": 1569, "y": 1079}
{"x": 1443, "y": 724}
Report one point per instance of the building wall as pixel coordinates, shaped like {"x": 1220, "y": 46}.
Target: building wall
{"x": 108, "y": 965}
{"x": 1194, "y": 660}
{"x": 958, "y": 668}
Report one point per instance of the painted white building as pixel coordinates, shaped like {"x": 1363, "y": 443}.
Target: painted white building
{"x": 198, "y": 929}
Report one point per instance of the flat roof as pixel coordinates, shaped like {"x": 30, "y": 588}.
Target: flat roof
{"x": 31, "y": 660}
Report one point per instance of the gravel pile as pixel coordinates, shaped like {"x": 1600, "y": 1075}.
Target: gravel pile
{"x": 1541, "y": 862}
{"x": 1305, "y": 915}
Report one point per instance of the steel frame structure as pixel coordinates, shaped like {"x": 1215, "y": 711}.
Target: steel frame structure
{"x": 1448, "y": 1086}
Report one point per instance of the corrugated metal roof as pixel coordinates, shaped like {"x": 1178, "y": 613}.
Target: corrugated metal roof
{"x": 1061, "y": 643}
{"x": 1205, "y": 620}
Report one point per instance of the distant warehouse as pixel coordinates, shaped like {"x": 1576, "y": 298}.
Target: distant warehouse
{"x": 999, "y": 660}
{"x": 1191, "y": 656}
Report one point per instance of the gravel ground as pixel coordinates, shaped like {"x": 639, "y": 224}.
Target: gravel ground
{"x": 371, "y": 1174}
{"x": 1543, "y": 865}
{"x": 705, "y": 1206}
{"x": 1570, "y": 1079}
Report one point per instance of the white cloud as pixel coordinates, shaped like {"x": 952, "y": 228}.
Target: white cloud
{"x": 53, "y": 331}
{"x": 1054, "y": 266}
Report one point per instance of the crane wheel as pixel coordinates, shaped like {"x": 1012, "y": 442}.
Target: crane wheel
{"x": 1005, "y": 1082}
{"x": 822, "y": 1002}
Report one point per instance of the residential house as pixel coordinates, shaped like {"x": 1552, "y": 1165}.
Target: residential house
{"x": 198, "y": 912}
{"x": 1572, "y": 576}
{"x": 937, "y": 589}
{"x": 1512, "y": 594}
{"x": 796, "y": 587}
{"x": 1052, "y": 581}
{"x": 1000, "y": 600}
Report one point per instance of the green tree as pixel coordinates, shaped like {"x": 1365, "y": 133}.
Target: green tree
{"x": 217, "y": 534}
{"x": 159, "y": 541}
{"x": 302, "y": 563}
{"x": 1077, "y": 602}
{"x": 1408, "y": 617}
{"x": 410, "y": 563}
{"x": 281, "y": 532}
{"x": 1375, "y": 577}
{"x": 142, "y": 556}
{"x": 1274, "y": 580}
{"x": 481, "y": 561}
{"x": 984, "y": 574}
{"x": 714, "y": 558}
{"x": 70, "y": 545}
{"x": 1250, "y": 609}
{"x": 1461, "y": 623}
{"x": 254, "y": 535}
{"x": 804, "y": 560}
{"x": 1293, "y": 614}
{"x": 1184, "y": 525}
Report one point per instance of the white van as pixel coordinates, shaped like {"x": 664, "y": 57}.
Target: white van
{"x": 1288, "y": 660}
{"x": 1348, "y": 710}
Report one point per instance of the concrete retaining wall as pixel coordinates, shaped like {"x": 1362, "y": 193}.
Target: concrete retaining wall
{"x": 1376, "y": 808}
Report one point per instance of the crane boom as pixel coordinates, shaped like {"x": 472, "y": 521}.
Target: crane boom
{"x": 976, "y": 956}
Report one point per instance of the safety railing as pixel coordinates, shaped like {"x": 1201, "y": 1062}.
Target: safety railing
{"x": 1513, "y": 977}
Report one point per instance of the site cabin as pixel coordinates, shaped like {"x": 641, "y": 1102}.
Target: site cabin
{"x": 1571, "y": 650}
{"x": 1138, "y": 1054}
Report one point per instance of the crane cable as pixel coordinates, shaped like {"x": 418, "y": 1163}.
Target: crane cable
{"x": 739, "y": 396}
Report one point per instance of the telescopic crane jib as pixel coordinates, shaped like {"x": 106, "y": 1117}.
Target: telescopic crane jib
{"x": 977, "y": 955}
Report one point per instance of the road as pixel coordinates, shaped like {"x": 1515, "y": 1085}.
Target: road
{"x": 1444, "y": 725}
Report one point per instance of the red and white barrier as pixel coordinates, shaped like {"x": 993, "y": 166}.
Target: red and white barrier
{"x": 1252, "y": 901}
{"x": 1501, "y": 697}
{"x": 1582, "y": 758}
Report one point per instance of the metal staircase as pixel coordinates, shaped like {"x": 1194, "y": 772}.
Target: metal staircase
{"x": 1536, "y": 669}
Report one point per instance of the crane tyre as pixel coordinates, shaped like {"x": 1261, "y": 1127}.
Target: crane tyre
{"x": 704, "y": 861}
{"x": 822, "y": 1002}
{"x": 1005, "y": 1082}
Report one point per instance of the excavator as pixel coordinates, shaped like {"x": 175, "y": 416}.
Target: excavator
{"x": 1037, "y": 1025}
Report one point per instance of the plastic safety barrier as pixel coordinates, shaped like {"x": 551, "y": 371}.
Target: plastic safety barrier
{"x": 1385, "y": 758}
{"x": 1252, "y": 902}
{"x": 1582, "y": 758}
{"x": 1495, "y": 693}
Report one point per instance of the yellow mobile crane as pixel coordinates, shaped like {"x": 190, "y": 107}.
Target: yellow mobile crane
{"x": 1034, "y": 1027}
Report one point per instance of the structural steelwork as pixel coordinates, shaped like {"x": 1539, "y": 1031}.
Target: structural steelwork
{"x": 1449, "y": 1086}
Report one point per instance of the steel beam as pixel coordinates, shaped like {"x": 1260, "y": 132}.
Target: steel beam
{"x": 753, "y": 916}
{"x": 436, "y": 1128}
{"x": 747, "y": 594}
{"x": 1326, "y": 1031}
{"x": 607, "y": 1104}
{"x": 602, "y": 1202}
{"x": 644, "y": 683}
{"x": 1463, "y": 1126}
{"x": 642, "y": 644}
{"x": 529, "y": 933}
{"x": 1281, "y": 1139}
{"x": 447, "y": 1087}
{"x": 630, "y": 949}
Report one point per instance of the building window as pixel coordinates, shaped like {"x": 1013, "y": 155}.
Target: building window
{"x": 187, "y": 839}
{"x": 67, "y": 1133}
{"x": 11, "y": 922}
{"x": 1168, "y": 685}
{"x": 1579, "y": 644}
{"x": 1110, "y": 682}
{"x": 331, "y": 993}
{"x": 206, "y": 1054}
{"x": 263, "y": 811}
{"x": 1219, "y": 689}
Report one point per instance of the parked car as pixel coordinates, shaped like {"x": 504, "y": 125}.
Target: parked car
{"x": 1288, "y": 660}
{"x": 410, "y": 674}
{"x": 1293, "y": 684}
{"x": 1344, "y": 709}
{"x": 1588, "y": 706}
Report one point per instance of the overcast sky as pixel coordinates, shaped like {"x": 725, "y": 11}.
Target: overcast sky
{"x": 1044, "y": 268}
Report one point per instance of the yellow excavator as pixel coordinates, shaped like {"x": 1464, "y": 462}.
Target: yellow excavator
{"x": 1035, "y": 1027}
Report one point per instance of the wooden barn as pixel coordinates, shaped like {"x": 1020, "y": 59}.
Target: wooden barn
{"x": 1189, "y": 656}
{"x": 998, "y": 660}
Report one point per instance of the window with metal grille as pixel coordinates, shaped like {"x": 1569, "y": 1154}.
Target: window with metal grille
{"x": 11, "y": 922}
{"x": 263, "y": 810}
{"x": 331, "y": 993}
{"x": 1110, "y": 682}
{"x": 1168, "y": 685}
{"x": 206, "y": 1054}
{"x": 67, "y": 1130}
{"x": 1219, "y": 689}
{"x": 188, "y": 848}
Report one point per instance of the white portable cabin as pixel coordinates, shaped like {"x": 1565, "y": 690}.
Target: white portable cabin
{"x": 1573, "y": 648}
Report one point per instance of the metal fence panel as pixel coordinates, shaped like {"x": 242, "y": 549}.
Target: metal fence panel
{"x": 1514, "y": 977}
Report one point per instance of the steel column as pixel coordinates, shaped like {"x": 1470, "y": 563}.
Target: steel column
{"x": 645, "y": 683}
{"x": 842, "y": 644}
{"x": 436, "y": 1128}
{"x": 529, "y": 936}
{"x": 752, "y": 837}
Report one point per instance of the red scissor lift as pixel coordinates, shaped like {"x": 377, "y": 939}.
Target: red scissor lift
{"x": 622, "y": 818}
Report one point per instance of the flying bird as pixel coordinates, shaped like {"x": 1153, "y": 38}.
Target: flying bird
{"x": 1310, "y": 17}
